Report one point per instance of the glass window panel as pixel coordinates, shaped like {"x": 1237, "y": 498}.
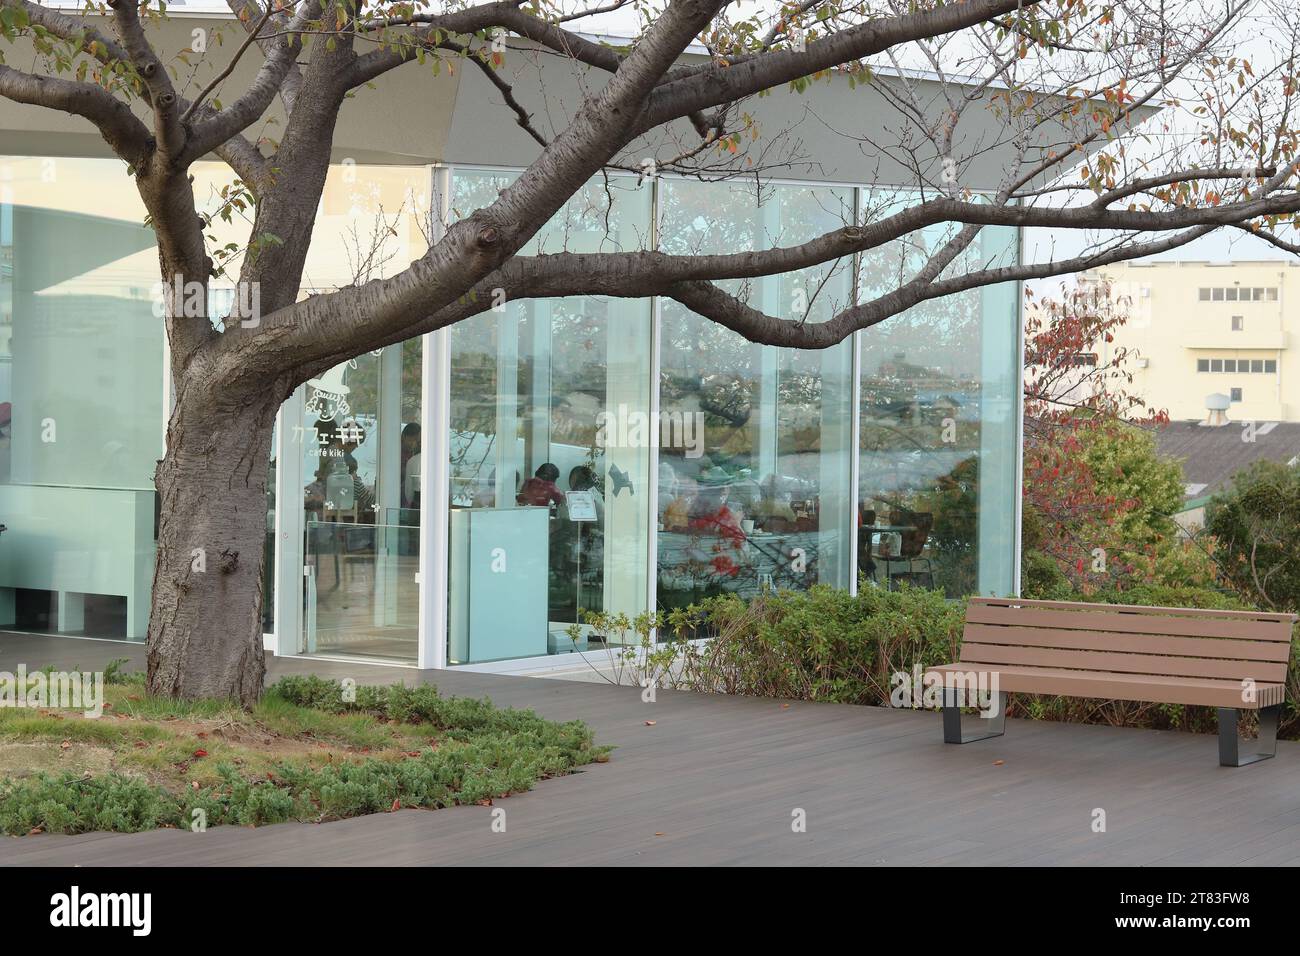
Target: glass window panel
{"x": 1270, "y": 366}
{"x": 81, "y": 398}
{"x": 1216, "y": 365}
{"x": 1257, "y": 366}
{"x": 1202, "y": 365}
{"x": 762, "y": 496}
{"x": 550, "y": 445}
{"x": 1230, "y": 365}
{"x": 360, "y": 431}
{"x": 938, "y": 432}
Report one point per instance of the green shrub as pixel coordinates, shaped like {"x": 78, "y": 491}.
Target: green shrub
{"x": 1256, "y": 524}
{"x": 1158, "y": 595}
{"x": 482, "y": 753}
{"x": 1041, "y": 578}
{"x": 820, "y": 644}
{"x": 459, "y": 718}
{"x": 67, "y": 803}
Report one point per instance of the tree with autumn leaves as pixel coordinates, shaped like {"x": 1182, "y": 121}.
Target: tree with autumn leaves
{"x": 1099, "y": 499}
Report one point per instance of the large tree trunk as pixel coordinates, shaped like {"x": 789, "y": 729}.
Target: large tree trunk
{"x": 205, "y": 626}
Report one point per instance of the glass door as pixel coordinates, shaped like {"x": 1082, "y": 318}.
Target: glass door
{"x": 361, "y": 475}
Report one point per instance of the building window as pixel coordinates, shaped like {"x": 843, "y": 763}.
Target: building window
{"x": 936, "y": 417}
{"x": 1234, "y": 294}
{"x": 770, "y": 468}
{"x": 77, "y": 333}
{"x": 1236, "y": 395}
{"x": 1238, "y": 323}
{"x": 1239, "y": 366}
{"x": 550, "y": 447}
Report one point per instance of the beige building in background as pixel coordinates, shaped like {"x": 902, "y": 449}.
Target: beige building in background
{"x": 1201, "y": 328}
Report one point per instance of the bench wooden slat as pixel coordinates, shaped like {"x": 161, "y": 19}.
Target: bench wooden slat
{"x": 1121, "y": 663}
{"x": 1265, "y": 616}
{"x": 1102, "y": 686}
{"x": 1103, "y": 618}
{"x": 1228, "y": 648}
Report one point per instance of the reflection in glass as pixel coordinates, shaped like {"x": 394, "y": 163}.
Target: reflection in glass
{"x": 549, "y": 454}
{"x": 81, "y": 390}
{"x": 937, "y": 428}
{"x": 754, "y": 486}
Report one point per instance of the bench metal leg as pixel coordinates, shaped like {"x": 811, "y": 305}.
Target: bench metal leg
{"x": 1230, "y": 743}
{"x": 952, "y": 732}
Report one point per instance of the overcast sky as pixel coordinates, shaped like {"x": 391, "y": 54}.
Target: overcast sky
{"x": 1224, "y": 245}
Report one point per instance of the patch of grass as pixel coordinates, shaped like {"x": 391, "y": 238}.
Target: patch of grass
{"x": 303, "y": 753}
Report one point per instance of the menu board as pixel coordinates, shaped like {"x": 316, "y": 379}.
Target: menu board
{"x": 582, "y": 505}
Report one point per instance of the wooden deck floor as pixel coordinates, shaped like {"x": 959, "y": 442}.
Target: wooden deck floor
{"x": 715, "y": 781}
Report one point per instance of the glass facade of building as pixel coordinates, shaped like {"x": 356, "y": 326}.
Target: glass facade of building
{"x": 612, "y": 454}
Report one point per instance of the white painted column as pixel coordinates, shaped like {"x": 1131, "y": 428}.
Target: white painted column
{"x": 435, "y": 455}
{"x": 628, "y": 514}
{"x": 292, "y": 440}
{"x": 388, "y": 486}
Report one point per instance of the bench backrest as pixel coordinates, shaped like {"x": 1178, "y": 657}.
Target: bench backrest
{"x": 1122, "y": 638}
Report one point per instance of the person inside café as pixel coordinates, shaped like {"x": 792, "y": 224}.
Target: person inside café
{"x": 410, "y": 466}
{"x": 541, "y": 490}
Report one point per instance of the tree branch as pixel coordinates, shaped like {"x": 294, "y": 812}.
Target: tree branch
{"x": 168, "y": 133}
{"x": 717, "y": 84}
{"x": 121, "y": 129}
{"x": 234, "y": 61}
{"x": 249, "y": 107}
{"x": 246, "y": 11}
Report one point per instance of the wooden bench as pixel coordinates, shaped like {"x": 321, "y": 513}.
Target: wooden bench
{"x": 1232, "y": 660}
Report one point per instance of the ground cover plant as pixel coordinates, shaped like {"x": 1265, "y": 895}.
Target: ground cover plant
{"x": 310, "y": 750}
